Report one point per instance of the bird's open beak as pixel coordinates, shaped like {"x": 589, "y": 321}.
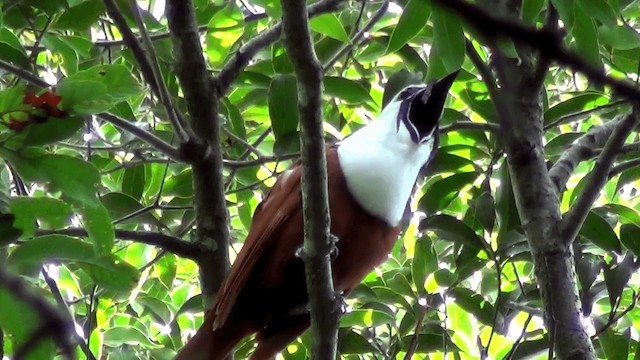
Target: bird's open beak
{"x": 427, "y": 105}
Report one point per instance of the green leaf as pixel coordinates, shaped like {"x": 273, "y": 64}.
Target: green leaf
{"x": 30, "y": 255}
{"x": 53, "y": 130}
{"x": 80, "y": 17}
{"x": 479, "y": 103}
{"x": 506, "y": 209}
{"x": 165, "y": 269}
{"x": 585, "y": 33}
{"x": 225, "y": 28}
{"x": 97, "y": 222}
{"x": 599, "y": 9}
{"x": 477, "y": 305}
{"x": 614, "y": 344}
{"x": 97, "y": 89}
{"x": 397, "y": 82}
{"x": 431, "y": 343}
{"x": 112, "y": 273}
{"x": 329, "y": 25}
{"x": 50, "y": 212}
{"x": 365, "y": 317}
{"x": 414, "y": 18}
{"x": 531, "y": 9}
{"x": 20, "y": 323}
{"x": 283, "y": 105}
{"x": 11, "y": 98}
{"x": 616, "y": 278}
{"x": 630, "y": 238}
{"x": 128, "y": 335}
{"x": 350, "y": 91}
{"x": 444, "y": 277}
{"x": 451, "y": 229}
{"x": 133, "y": 181}
{"x": 573, "y": 105}
{"x": 84, "y": 97}
{"x": 351, "y": 342}
{"x": 120, "y": 205}
{"x": 442, "y": 192}
{"x": 11, "y": 50}
{"x": 599, "y": 232}
{"x": 445, "y": 162}
{"x": 69, "y": 55}
{"x": 425, "y": 262}
{"x": 619, "y": 37}
{"x": 75, "y": 177}
{"x": 448, "y": 38}
{"x": 483, "y": 208}
{"x": 8, "y": 233}
{"x": 565, "y": 10}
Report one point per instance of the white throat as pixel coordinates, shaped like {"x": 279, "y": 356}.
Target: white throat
{"x": 381, "y": 164}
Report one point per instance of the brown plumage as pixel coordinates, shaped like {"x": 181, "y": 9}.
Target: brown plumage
{"x": 265, "y": 292}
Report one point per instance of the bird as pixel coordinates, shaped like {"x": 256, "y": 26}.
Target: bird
{"x": 371, "y": 176}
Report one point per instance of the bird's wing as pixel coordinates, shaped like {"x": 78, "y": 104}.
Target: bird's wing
{"x": 274, "y": 210}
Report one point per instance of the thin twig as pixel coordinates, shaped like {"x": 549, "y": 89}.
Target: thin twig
{"x": 148, "y": 64}
{"x": 246, "y": 52}
{"x": 355, "y": 40}
{"x": 175, "y": 116}
{"x": 413, "y": 345}
{"x": 623, "y": 167}
{"x": 143, "y": 135}
{"x": 259, "y": 161}
{"x": 53, "y": 286}
{"x": 172, "y": 244}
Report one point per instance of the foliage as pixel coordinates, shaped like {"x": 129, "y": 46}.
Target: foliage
{"x": 460, "y": 280}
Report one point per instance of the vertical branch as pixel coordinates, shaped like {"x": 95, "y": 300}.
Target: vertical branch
{"x": 315, "y": 204}
{"x": 205, "y": 152}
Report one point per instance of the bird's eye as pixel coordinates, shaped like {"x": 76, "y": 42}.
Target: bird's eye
{"x": 408, "y": 92}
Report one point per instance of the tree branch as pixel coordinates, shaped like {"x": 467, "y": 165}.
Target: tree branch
{"x": 166, "y": 35}
{"x": 623, "y": 167}
{"x": 581, "y": 150}
{"x": 169, "y": 243}
{"x": 143, "y": 135}
{"x": 52, "y": 324}
{"x": 246, "y": 52}
{"x": 235, "y": 164}
{"x": 132, "y": 42}
{"x": 325, "y": 309}
{"x": 574, "y": 218}
{"x": 580, "y": 115}
{"x": 205, "y": 151}
{"x": 548, "y": 42}
{"x": 148, "y": 62}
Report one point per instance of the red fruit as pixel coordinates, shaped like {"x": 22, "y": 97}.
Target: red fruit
{"x": 47, "y": 101}
{"x": 17, "y": 125}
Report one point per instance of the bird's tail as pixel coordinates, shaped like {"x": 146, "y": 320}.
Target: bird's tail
{"x": 208, "y": 344}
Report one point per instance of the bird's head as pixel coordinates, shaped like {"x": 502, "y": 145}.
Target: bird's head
{"x": 417, "y": 108}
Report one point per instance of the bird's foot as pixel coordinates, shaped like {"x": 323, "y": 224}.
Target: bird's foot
{"x": 335, "y": 251}
{"x": 340, "y": 303}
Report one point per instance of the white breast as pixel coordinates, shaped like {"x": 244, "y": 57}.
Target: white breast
{"x": 381, "y": 165}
